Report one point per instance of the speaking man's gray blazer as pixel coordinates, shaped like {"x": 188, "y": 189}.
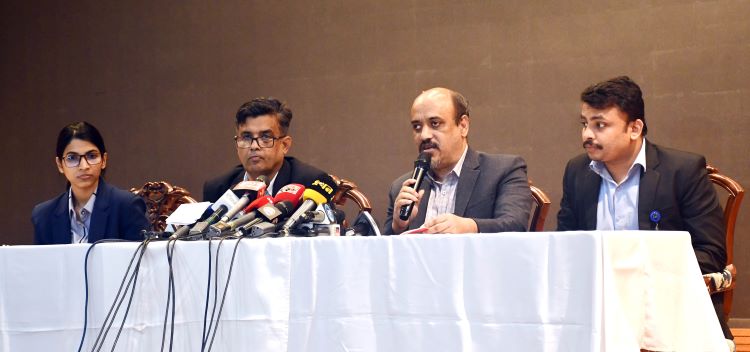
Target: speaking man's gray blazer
{"x": 493, "y": 190}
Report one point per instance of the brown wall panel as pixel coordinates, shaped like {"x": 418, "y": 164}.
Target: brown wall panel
{"x": 162, "y": 82}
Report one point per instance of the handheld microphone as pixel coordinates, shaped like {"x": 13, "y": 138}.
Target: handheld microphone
{"x": 321, "y": 191}
{"x": 222, "y": 226}
{"x": 421, "y": 166}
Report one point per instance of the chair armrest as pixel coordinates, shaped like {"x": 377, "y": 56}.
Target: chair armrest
{"x": 722, "y": 281}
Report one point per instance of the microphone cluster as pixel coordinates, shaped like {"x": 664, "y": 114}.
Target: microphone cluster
{"x": 296, "y": 210}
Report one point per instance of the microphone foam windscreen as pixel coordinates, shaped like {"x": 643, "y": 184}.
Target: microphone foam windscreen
{"x": 423, "y": 160}
{"x": 325, "y": 186}
{"x": 291, "y": 193}
{"x": 258, "y": 203}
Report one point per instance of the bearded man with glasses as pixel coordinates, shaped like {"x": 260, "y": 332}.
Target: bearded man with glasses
{"x": 262, "y": 140}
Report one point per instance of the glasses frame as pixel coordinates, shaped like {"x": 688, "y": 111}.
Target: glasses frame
{"x": 257, "y": 140}
{"x": 97, "y": 161}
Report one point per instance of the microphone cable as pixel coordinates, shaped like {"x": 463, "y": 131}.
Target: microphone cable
{"x": 134, "y": 280}
{"x": 86, "y": 287}
{"x": 207, "y": 332}
{"x": 122, "y": 283}
{"x": 119, "y": 300}
{"x": 170, "y": 297}
{"x": 226, "y": 287}
{"x": 208, "y": 294}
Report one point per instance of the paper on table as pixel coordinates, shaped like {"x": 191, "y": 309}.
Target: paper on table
{"x": 187, "y": 213}
{"x": 415, "y": 231}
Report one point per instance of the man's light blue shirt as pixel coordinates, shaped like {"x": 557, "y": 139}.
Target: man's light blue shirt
{"x": 617, "y": 208}
{"x": 443, "y": 194}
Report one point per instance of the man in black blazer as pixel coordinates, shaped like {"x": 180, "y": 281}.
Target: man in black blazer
{"x": 624, "y": 182}
{"x": 465, "y": 191}
{"x": 262, "y": 142}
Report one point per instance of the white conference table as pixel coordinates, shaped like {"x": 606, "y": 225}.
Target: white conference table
{"x": 551, "y": 291}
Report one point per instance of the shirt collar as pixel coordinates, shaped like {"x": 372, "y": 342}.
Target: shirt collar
{"x": 456, "y": 169}
{"x": 640, "y": 159}
{"x": 88, "y": 208}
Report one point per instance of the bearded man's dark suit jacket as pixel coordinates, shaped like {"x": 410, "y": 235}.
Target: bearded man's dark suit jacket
{"x": 675, "y": 183}
{"x": 292, "y": 171}
{"x": 117, "y": 214}
{"x": 493, "y": 190}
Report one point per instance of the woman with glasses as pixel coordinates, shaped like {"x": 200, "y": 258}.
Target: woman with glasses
{"x": 90, "y": 209}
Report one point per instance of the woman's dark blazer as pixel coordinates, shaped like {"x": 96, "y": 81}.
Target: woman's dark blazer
{"x": 117, "y": 214}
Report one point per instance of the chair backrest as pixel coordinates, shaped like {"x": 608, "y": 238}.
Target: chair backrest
{"x": 349, "y": 190}
{"x": 541, "y": 208}
{"x": 161, "y": 200}
{"x": 731, "y": 209}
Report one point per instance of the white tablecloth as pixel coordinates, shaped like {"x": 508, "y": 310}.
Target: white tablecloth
{"x": 572, "y": 291}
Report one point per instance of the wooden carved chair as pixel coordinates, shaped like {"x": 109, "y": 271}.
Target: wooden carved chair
{"x": 541, "y": 208}
{"x": 731, "y": 209}
{"x": 349, "y": 190}
{"x": 161, "y": 200}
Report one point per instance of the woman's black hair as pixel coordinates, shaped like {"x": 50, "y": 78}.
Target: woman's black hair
{"x": 83, "y": 131}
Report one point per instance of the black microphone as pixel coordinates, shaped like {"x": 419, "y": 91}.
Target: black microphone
{"x": 201, "y": 225}
{"x": 185, "y": 229}
{"x": 421, "y": 166}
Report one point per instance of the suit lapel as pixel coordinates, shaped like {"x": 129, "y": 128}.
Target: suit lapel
{"x": 647, "y": 189}
{"x": 466, "y": 182}
{"x": 61, "y": 222}
{"x": 284, "y": 177}
{"x": 100, "y": 214}
{"x": 589, "y": 186}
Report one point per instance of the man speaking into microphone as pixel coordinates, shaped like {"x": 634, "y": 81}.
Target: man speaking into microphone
{"x": 464, "y": 191}
{"x": 262, "y": 141}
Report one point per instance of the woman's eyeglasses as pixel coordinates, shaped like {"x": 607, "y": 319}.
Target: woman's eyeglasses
{"x": 73, "y": 159}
